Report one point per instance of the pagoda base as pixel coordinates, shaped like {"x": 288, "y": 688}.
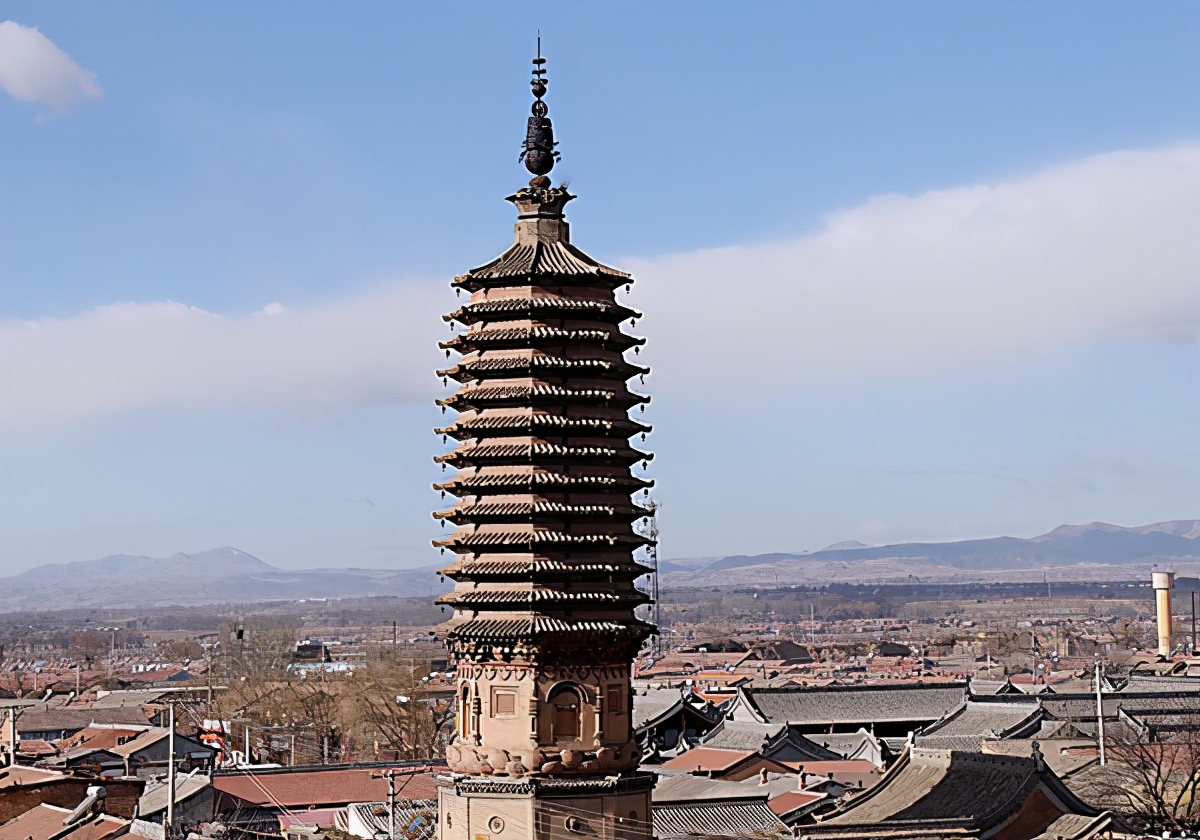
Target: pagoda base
{"x": 590, "y": 808}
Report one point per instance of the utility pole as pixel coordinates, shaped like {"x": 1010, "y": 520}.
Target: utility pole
{"x": 1100, "y": 714}
{"x": 1193, "y": 622}
{"x": 12, "y": 736}
{"x": 391, "y": 777}
{"x": 170, "y": 827}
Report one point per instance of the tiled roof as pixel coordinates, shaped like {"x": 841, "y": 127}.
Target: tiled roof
{"x": 101, "y": 738}
{"x": 529, "y": 539}
{"x": 987, "y": 719}
{"x": 944, "y": 786}
{"x": 484, "y": 394}
{"x": 47, "y": 821}
{"x": 707, "y": 760}
{"x": 521, "y": 336}
{"x": 508, "y": 568}
{"x": 1082, "y": 707}
{"x": 537, "y": 259}
{"x": 724, "y": 819}
{"x": 529, "y": 508}
{"x": 652, "y": 704}
{"x": 74, "y": 719}
{"x": 21, "y": 776}
{"x": 414, "y": 820}
{"x": 858, "y": 704}
{"x": 319, "y": 787}
{"x": 794, "y": 800}
{"x": 537, "y": 596}
{"x": 488, "y": 309}
{"x": 520, "y": 628}
{"x": 736, "y": 735}
{"x": 523, "y": 451}
{"x": 154, "y": 799}
{"x": 516, "y": 419}
{"x": 542, "y": 479}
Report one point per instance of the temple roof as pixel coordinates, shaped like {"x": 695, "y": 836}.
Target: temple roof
{"x": 488, "y": 310}
{"x": 527, "y": 420}
{"x": 540, "y": 596}
{"x": 515, "y": 478}
{"x": 522, "y": 452}
{"x": 520, "y": 539}
{"x": 482, "y": 395}
{"x": 852, "y": 704}
{"x": 510, "y": 510}
{"x": 941, "y": 789}
{"x": 998, "y": 720}
{"x": 511, "y": 568}
{"x": 519, "y": 337}
{"x": 539, "y": 259}
{"x": 487, "y": 629}
{"x": 501, "y": 365}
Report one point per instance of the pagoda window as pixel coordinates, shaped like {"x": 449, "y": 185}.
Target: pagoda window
{"x": 504, "y": 703}
{"x": 566, "y": 704}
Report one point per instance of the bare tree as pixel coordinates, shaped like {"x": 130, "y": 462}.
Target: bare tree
{"x": 391, "y": 706}
{"x": 1153, "y": 773}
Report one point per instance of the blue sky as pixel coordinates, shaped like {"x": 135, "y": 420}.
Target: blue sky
{"x": 911, "y": 270}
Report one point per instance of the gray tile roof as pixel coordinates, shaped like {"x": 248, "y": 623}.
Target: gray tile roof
{"x": 1082, "y": 707}
{"x": 651, "y": 704}
{"x": 725, "y": 819}
{"x": 742, "y": 735}
{"x": 992, "y": 719}
{"x": 939, "y": 785}
{"x": 856, "y": 704}
{"x": 154, "y": 799}
{"x": 684, "y": 787}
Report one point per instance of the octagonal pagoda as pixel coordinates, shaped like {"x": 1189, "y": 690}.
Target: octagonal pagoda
{"x": 543, "y": 628}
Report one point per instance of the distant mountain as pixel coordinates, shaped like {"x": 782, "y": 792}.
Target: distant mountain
{"x": 222, "y": 575}
{"x": 845, "y": 544}
{"x": 1096, "y": 544}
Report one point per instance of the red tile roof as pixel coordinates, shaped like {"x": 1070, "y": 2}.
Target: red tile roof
{"x": 785, "y": 803}
{"x": 707, "y": 760}
{"x": 47, "y": 820}
{"x": 323, "y": 787}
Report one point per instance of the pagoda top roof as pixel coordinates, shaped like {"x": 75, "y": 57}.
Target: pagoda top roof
{"x": 539, "y": 258}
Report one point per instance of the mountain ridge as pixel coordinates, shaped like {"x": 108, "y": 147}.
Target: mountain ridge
{"x": 228, "y": 574}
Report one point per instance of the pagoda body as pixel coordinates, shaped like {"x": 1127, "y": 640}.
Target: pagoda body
{"x": 543, "y": 629}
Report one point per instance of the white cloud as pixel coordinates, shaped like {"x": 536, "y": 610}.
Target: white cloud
{"x": 34, "y": 69}
{"x": 376, "y": 347}
{"x": 1098, "y": 250}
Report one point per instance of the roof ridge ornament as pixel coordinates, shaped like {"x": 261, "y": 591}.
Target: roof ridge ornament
{"x": 537, "y": 152}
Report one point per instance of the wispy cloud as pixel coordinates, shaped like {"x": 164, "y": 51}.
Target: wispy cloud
{"x": 1095, "y": 250}
{"x": 960, "y": 279}
{"x": 34, "y": 69}
{"x": 376, "y": 347}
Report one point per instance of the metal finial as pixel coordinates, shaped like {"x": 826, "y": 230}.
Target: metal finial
{"x": 538, "y": 149}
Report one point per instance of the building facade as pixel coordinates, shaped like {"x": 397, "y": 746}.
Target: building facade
{"x": 543, "y": 627}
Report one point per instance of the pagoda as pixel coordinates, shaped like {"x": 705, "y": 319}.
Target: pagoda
{"x": 543, "y": 628}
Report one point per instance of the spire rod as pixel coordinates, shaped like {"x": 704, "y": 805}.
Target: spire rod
{"x": 538, "y": 149}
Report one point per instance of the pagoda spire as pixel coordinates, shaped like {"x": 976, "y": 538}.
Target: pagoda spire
{"x": 543, "y": 628}
{"x": 538, "y": 149}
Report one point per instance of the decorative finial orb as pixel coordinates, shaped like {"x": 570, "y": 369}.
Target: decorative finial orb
{"x": 539, "y": 182}
{"x": 537, "y": 152}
